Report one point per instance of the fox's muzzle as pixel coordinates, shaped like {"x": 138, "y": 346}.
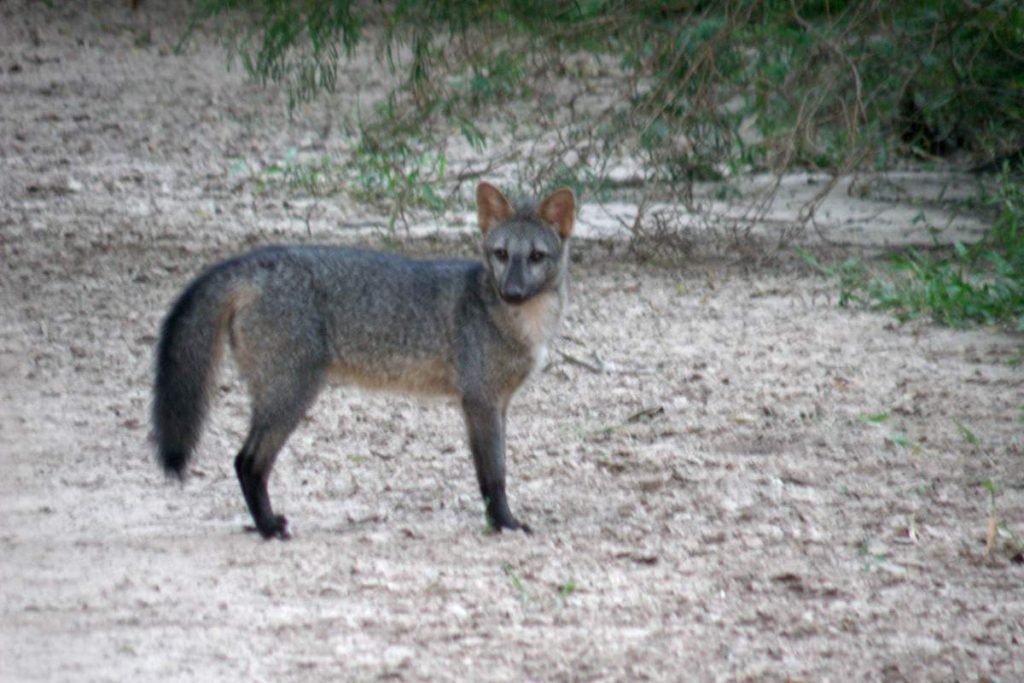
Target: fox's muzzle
{"x": 513, "y": 289}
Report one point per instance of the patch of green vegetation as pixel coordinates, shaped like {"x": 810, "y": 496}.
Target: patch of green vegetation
{"x": 398, "y": 175}
{"x": 899, "y": 439}
{"x": 517, "y": 582}
{"x": 980, "y": 283}
{"x": 317, "y": 178}
{"x": 565, "y": 589}
{"x": 968, "y": 435}
{"x": 873, "y": 552}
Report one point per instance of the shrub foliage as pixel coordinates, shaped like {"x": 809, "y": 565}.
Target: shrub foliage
{"x": 700, "y": 87}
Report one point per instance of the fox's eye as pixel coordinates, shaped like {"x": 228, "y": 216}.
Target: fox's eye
{"x": 537, "y": 256}
{"x": 501, "y": 254}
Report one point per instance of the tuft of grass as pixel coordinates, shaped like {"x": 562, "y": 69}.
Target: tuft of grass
{"x": 896, "y": 438}
{"x": 968, "y": 435}
{"x": 873, "y": 552}
{"x": 899, "y": 439}
{"x": 316, "y": 178}
{"x": 565, "y": 589}
{"x": 517, "y": 582}
{"x": 851, "y": 276}
{"x": 993, "y": 522}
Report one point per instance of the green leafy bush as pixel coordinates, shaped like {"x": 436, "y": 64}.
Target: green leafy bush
{"x": 965, "y": 284}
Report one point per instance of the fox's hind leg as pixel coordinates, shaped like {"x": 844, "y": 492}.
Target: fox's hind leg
{"x": 272, "y": 424}
{"x": 253, "y": 465}
{"x": 283, "y": 363}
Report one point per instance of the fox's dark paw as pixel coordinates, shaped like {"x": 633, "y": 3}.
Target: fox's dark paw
{"x": 525, "y": 528}
{"x": 511, "y": 525}
{"x": 276, "y": 529}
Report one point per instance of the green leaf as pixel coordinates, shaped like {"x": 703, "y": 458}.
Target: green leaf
{"x": 898, "y": 439}
{"x": 969, "y": 436}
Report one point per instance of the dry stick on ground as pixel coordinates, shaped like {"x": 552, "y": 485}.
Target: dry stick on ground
{"x": 597, "y": 369}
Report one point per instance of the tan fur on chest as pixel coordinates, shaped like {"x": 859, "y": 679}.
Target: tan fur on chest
{"x": 535, "y": 321}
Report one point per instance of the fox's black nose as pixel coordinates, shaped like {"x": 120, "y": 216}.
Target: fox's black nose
{"x": 514, "y": 295}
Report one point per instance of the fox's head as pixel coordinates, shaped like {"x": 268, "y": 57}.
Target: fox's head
{"x": 525, "y": 250}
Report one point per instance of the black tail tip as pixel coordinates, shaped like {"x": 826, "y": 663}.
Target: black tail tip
{"x": 174, "y": 463}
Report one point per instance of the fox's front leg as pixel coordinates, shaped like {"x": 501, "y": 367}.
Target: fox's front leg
{"x": 486, "y": 424}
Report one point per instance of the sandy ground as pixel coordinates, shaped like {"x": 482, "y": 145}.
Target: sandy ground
{"x": 746, "y": 483}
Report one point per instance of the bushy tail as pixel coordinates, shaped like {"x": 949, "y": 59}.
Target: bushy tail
{"x": 190, "y": 347}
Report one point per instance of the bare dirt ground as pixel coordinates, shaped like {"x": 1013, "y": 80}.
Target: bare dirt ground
{"x": 712, "y": 499}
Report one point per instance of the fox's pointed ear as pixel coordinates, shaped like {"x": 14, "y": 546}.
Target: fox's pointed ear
{"x": 559, "y": 210}
{"x": 491, "y": 207}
